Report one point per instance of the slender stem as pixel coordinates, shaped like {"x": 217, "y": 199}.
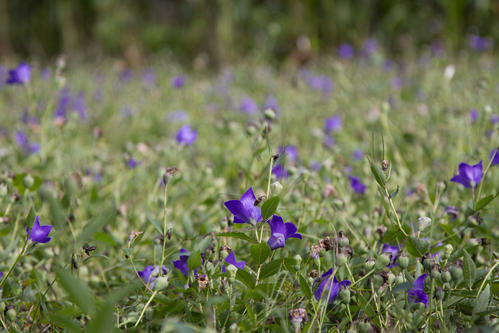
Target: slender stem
{"x": 15, "y": 262}
{"x": 165, "y": 198}
{"x": 145, "y": 308}
{"x": 477, "y": 198}
{"x": 270, "y": 175}
{"x": 486, "y": 278}
{"x": 4, "y": 324}
{"x": 364, "y": 277}
{"x": 395, "y": 212}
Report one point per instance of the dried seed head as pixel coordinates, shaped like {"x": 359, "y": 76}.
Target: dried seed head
{"x": 297, "y": 316}
{"x": 384, "y": 165}
{"x": 203, "y": 281}
{"x": 315, "y": 251}
{"x": 326, "y": 244}
{"x": 314, "y": 273}
{"x": 88, "y": 248}
{"x": 329, "y": 191}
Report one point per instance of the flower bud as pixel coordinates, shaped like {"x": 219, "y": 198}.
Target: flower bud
{"x": 341, "y": 260}
{"x": 403, "y": 262}
{"x": 269, "y": 114}
{"x": 28, "y": 181}
{"x": 232, "y": 270}
{"x": 276, "y": 187}
{"x": 12, "y": 314}
{"x": 298, "y": 261}
{"x": 447, "y": 252}
{"x": 382, "y": 261}
{"x": 364, "y": 327}
{"x": 345, "y": 296}
{"x": 424, "y": 222}
{"x": 377, "y": 281}
{"x": 456, "y": 273}
{"x": 435, "y": 274}
{"x": 391, "y": 278}
{"x": 439, "y": 293}
{"x": 369, "y": 264}
{"x": 343, "y": 241}
{"x": 446, "y": 276}
{"x": 161, "y": 283}
{"x": 3, "y": 190}
{"x": 427, "y": 264}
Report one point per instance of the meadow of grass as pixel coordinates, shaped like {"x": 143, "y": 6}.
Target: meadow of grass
{"x": 131, "y": 166}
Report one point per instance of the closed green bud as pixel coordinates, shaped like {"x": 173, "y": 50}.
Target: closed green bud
{"x": 382, "y": 261}
{"x": 232, "y": 270}
{"x": 269, "y": 114}
{"x": 28, "y": 181}
{"x": 341, "y": 260}
{"x": 12, "y": 314}
{"x": 369, "y": 264}
{"x": 399, "y": 279}
{"x": 435, "y": 274}
{"x": 439, "y": 293}
{"x": 276, "y": 187}
{"x": 446, "y": 253}
{"x": 456, "y": 273}
{"x": 161, "y": 283}
{"x": 343, "y": 241}
{"x": 427, "y": 264}
{"x": 378, "y": 281}
{"x": 403, "y": 262}
{"x": 298, "y": 261}
{"x": 446, "y": 276}
{"x": 345, "y": 296}
{"x": 391, "y": 278}
{"x": 364, "y": 327}
{"x": 3, "y": 190}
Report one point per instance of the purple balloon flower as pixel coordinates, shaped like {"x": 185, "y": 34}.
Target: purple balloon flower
{"x": 494, "y": 119}
{"x": 248, "y": 105}
{"x": 280, "y": 172}
{"x": 181, "y": 264}
{"x": 357, "y": 185}
{"x": 494, "y": 156}
{"x": 132, "y": 163}
{"x": 19, "y": 75}
{"x": 63, "y": 105}
{"x": 329, "y": 286}
{"x": 80, "y": 106}
{"x": 231, "y": 259}
{"x": 39, "y": 233}
{"x": 151, "y": 273}
{"x": 244, "y": 210}
{"x": 345, "y": 51}
{"x": 280, "y": 232}
{"x": 332, "y": 124}
{"x": 479, "y": 43}
{"x": 186, "y": 135}
{"x": 178, "y": 81}
{"x": 416, "y": 293}
{"x": 392, "y": 250}
{"x": 149, "y": 78}
{"x": 468, "y": 176}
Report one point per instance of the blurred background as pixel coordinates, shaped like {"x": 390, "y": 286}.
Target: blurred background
{"x": 214, "y": 32}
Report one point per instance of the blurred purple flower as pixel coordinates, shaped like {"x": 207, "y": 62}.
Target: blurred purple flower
{"x": 181, "y": 264}
{"x": 280, "y": 232}
{"x": 46, "y": 73}
{"x": 473, "y": 115}
{"x": 178, "y": 81}
{"x": 23, "y": 142}
{"x": 80, "y": 106}
{"x": 231, "y": 260}
{"x": 494, "y": 119}
{"x": 126, "y": 75}
{"x": 329, "y": 286}
{"x": 186, "y": 135}
{"x": 397, "y": 83}
{"x": 39, "y": 233}
{"x": 279, "y": 171}
{"x": 19, "y": 75}
{"x": 358, "y": 154}
{"x": 416, "y": 293}
{"x": 151, "y": 273}
{"x": 149, "y": 78}
{"x": 248, "y": 105}
{"x": 271, "y": 103}
{"x": 494, "y": 156}
{"x": 329, "y": 141}
{"x": 468, "y": 176}
{"x": 315, "y": 165}
{"x": 393, "y": 251}
{"x": 479, "y": 43}
{"x": 291, "y": 152}
{"x": 177, "y": 116}
{"x": 357, "y": 185}
{"x": 132, "y": 163}
{"x": 370, "y": 46}
{"x": 332, "y": 124}
{"x": 63, "y": 104}
{"x": 345, "y": 51}
{"x": 452, "y": 212}
{"x": 244, "y": 210}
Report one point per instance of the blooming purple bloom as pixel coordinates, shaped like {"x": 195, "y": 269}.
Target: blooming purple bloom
{"x": 494, "y": 119}
{"x": 417, "y": 294}
{"x": 280, "y": 232}
{"x": 19, "y": 75}
{"x": 132, "y": 163}
{"x": 151, "y": 273}
{"x": 79, "y": 106}
{"x": 473, "y": 115}
{"x": 357, "y": 185}
{"x": 126, "y": 75}
{"x": 181, "y": 264}
{"x": 315, "y": 165}
{"x": 248, "y": 105}
{"x": 24, "y": 143}
{"x": 271, "y": 103}
{"x": 358, "y": 154}
{"x": 329, "y": 141}
{"x": 279, "y": 171}
{"x": 39, "y": 233}
{"x": 178, "y": 81}
{"x": 479, "y": 43}
{"x": 149, "y": 78}
{"x": 63, "y": 105}
{"x": 291, "y": 153}
{"x": 332, "y": 124}
{"x": 329, "y": 285}
{"x": 186, "y": 135}
{"x": 452, "y": 212}
{"x": 468, "y": 176}
{"x": 393, "y": 251}
{"x": 345, "y": 51}
{"x": 231, "y": 259}
{"x": 244, "y": 210}
{"x": 494, "y": 156}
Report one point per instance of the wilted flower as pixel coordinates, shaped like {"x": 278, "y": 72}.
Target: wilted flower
{"x": 357, "y": 185}
{"x": 315, "y": 251}
{"x": 297, "y": 316}
{"x": 39, "y": 233}
{"x": 19, "y": 75}
{"x": 345, "y": 51}
{"x": 178, "y": 81}
{"x": 202, "y": 281}
{"x": 186, "y": 135}
{"x": 416, "y": 293}
{"x": 332, "y": 124}
{"x": 248, "y": 105}
{"x": 151, "y": 273}
{"x": 468, "y": 176}
{"x": 494, "y": 156}
{"x": 280, "y": 232}
{"x": 244, "y": 210}
{"x": 231, "y": 259}
{"x": 329, "y": 285}
{"x": 393, "y": 251}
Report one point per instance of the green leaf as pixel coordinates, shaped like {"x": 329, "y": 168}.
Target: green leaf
{"x": 405, "y": 286}
{"x": 378, "y": 174}
{"x": 260, "y": 252}
{"x": 234, "y": 234}
{"x": 305, "y": 288}
{"x": 77, "y": 291}
{"x": 394, "y": 193}
{"x": 484, "y": 202}
{"x": 155, "y": 223}
{"x": 270, "y": 269}
{"x": 63, "y": 320}
{"x": 95, "y": 225}
{"x": 482, "y": 301}
{"x": 417, "y": 246}
{"x": 469, "y": 269}
{"x": 246, "y": 278}
{"x": 194, "y": 260}
{"x": 18, "y": 182}
{"x": 269, "y": 207}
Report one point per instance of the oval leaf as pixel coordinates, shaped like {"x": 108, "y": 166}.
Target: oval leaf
{"x": 269, "y": 207}
{"x": 194, "y": 260}
{"x": 260, "y": 252}
{"x": 469, "y": 269}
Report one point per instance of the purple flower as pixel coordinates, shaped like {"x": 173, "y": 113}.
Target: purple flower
{"x": 397, "y": 83}
{"x": 186, "y": 135}
{"x": 39, "y": 233}
{"x": 332, "y": 124}
{"x": 244, "y": 210}
{"x": 345, "y": 51}
{"x": 19, "y": 75}
{"x": 370, "y": 46}
{"x": 329, "y": 141}
{"x": 315, "y": 165}
{"x": 452, "y": 212}
{"x": 46, "y": 73}
{"x": 181, "y": 264}
{"x": 63, "y": 105}
{"x": 320, "y": 82}
{"x": 358, "y": 154}
{"x": 436, "y": 254}
{"x": 393, "y": 251}
{"x": 24, "y": 143}
{"x": 149, "y": 78}
{"x": 132, "y": 163}
{"x": 248, "y": 105}
{"x": 329, "y": 285}
{"x": 178, "y": 81}
{"x": 280, "y": 232}
{"x": 468, "y": 176}
{"x": 279, "y": 171}
{"x": 271, "y": 103}
{"x": 494, "y": 119}
{"x": 291, "y": 153}
{"x": 79, "y": 106}
{"x": 126, "y": 75}
{"x": 494, "y": 156}
{"x": 473, "y": 115}
{"x": 231, "y": 259}
{"x": 479, "y": 43}
{"x": 151, "y": 273}
{"x": 417, "y": 294}
{"x": 357, "y": 185}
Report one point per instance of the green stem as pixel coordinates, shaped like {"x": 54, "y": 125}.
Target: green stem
{"x": 477, "y": 198}
{"x": 270, "y": 175}
{"x": 395, "y": 212}
{"x": 15, "y": 262}
{"x": 145, "y": 308}
{"x": 486, "y": 278}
